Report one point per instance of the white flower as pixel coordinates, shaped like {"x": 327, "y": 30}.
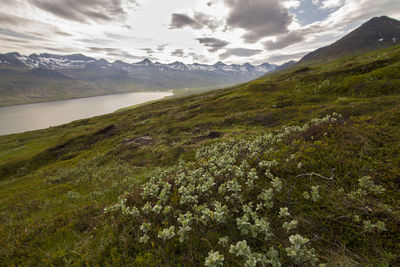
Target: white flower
{"x": 214, "y": 259}
{"x": 167, "y": 233}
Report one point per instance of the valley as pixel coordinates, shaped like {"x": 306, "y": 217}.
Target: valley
{"x": 46, "y": 77}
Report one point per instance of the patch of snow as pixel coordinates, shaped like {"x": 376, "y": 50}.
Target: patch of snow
{"x": 380, "y": 39}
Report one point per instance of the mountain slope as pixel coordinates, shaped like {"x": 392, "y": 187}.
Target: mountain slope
{"x": 377, "y": 33}
{"x": 60, "y": 77}
{"x": 55, "y": 183}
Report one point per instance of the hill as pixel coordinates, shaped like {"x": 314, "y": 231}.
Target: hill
{"x": 227, "y": 184}
{"x": 44, "y": 77}
{"x": 377, "y": 33}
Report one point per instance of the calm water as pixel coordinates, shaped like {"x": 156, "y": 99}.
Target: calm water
{"x": 22, "y": 118}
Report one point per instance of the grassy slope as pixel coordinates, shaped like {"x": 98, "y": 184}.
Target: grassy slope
{"x": 55, "y": 183}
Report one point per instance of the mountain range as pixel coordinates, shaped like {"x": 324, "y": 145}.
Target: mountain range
{"x": 49, "y": 77}
{"x": 44, "y": 77}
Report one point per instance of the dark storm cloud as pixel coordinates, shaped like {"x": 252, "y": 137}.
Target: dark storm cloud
{"x": 259, "y": 18}
{"x": 199, "y": 21}
{"x": 178, "y": 53}
{"x": 239, "y": 52}
{"x": 84, "y": 10}
{"x": 180, "y": 21}
{"x": 213, "y": 44}
{"x": 284, "y": 41}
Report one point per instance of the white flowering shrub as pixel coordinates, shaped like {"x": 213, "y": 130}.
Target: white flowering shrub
{"x": 214, "y": 259}
{"x": 298, "y": 250}
{"x": 230, "y": 199}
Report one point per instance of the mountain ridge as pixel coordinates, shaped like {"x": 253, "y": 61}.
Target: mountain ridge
{"x": 77, "y": 75}
{"x": 376, "y": 33}
{"x": 54, "y": 61}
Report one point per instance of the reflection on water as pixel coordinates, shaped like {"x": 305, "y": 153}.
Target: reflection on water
{"x": 21, "y": 118}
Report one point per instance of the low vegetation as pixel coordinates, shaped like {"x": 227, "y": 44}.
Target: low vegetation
{"x": 239, "y": 176}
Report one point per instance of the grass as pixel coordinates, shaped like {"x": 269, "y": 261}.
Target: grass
{"x": 55, "y": 183}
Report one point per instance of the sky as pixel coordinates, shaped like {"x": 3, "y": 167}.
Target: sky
{"x": 201, "y": 31}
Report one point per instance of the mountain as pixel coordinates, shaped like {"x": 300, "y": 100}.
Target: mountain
{"x": 377, "y": 33}
{"x": 79, "y": 61}
{"x": 78, "y": 75}
{"x": 217, "y": 179}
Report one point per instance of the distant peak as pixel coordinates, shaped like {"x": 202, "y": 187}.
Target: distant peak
{"x": 266, "y": 64}
{"x": 177, "y": 63}
{"x": 145, "y": 61}
{"x": 104, "y": 61}
{"x": 13, "y": 54}
{"x": 78, "y": 57}
{"x": 46, "y": 55}
{"x": 380, "y": 19}
{"x": 219, "y": 63}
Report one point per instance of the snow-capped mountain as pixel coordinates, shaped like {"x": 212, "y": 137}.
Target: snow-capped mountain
{"x": 78, "y": 61}
{"x": 45, "y": 76}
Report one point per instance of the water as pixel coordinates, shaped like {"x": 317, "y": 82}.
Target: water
{"x": 22, "y": 118}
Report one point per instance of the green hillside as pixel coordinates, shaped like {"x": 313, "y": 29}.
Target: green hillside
{"x": 299, "y": 167}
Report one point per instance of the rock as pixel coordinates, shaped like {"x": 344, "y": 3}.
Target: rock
{"x": 214, "y": 134}
{"x": 126, "y": 140}
{"x": 139, "y": 141}
{"x": 144, "y": 140}
{"x": 196, "y": 130}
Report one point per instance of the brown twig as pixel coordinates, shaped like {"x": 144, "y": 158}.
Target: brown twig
{"x": 318, "y": 175}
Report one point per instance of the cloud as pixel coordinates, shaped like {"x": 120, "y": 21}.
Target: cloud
{"x": 116, "y": 53}
{"x": 103, "y": 49}
{"x": 259, "y": 18}
{"x": 282, "y": 57}
{"x": 18, "y": 23}
{"x": 84, "y": 10}
{"x": 19, "y": 35}
{"x": 115, "y": 36}
{"x": 12, "y": 40}
{"x": 213, "y": 44}
{"x": 148, "y": 51}
{"x": 180, "y": 21}
{"x": 239, "y": 52}
{"x": 178, "y": 53}
{"x": 161, "y": 47}
{"x": 98, "y": 41}
{"x": 198, "y": 58}
{"x": 284, "y": 41}
{"x": 199, "y": 21}
{"x": 328, "y": 4}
